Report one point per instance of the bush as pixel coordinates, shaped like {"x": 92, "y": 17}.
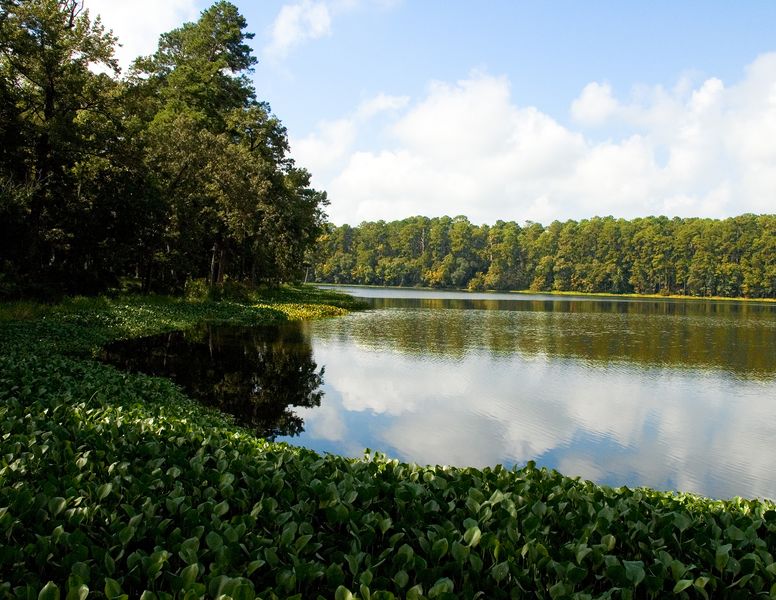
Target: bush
{"x": 201, "y": 289}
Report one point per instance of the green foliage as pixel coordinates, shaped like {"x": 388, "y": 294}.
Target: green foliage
{"x": 201, "y": 289}
{"x": 118, "y": 485}
{"x": 733, "y": 257}
{"x": 173, "y": 172}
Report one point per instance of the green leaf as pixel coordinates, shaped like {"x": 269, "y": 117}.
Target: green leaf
{"x": 472, "y": 536}
{"x": 722, "y": 556}
{"x": 500, "y": 571}
{"x": 415, "y": 592}
{"x": 678, "y": 569}
{"x": 189, "y": 575}
{"x": 558, "y": 590}
{"x": 442, "y": 586}
{"x": 49, "y": 592}
{"x": 575, "y": 574}
{"x": 401, "y": 579}
{"x": 79, "y": 592}
{"x": 582, "y": 552}
{"x": 406, "y": 553}
{"x": 112, "y": 588}
{"x": 242, "y": 589}
{"x": 335, "y": 575}
{"x": 343, "y": 593}
{"x": 104, "y": 490}
{"x": 214, "y": 541}
{"x": 608, "y": 541}
{"x": 56, "y": 505}
{"x": 126, "y": 534}
{"x": 221, "y": 508}
{"x": 682, "y": 585}
{"x": 252, "y": 566}
{"x": 302, "y": 541}
{"x": 385, "y": 524}
{"x": 682, "y": 522}
{"x": 634, "y": 571}
{"x": 439, "y": 549}
{"x": 110, "y": 565}
{"x": 459, "y": 551}
{"x": 289, "y": 532}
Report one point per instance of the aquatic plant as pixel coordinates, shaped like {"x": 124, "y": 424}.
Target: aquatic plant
{"x": 119, "y": 486}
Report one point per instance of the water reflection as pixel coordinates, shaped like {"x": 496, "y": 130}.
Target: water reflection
{"x": 666, "y": 394}
{"x": 673, "y": 395}
{"x": 691, "y": 430}
{"x": 739, "y": 339}
{"x": 255, "y": 374}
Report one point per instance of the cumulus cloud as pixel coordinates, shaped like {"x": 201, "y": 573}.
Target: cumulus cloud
{"x": 380, "y": 104}
{"x": 595, "y": 105}
{"x": 323, "y": 150}
{"x": 308, "y": 20}
{"x": 466, "y": 147}
{"x": 296, "y": 23}
{"x": 138, "y": 24}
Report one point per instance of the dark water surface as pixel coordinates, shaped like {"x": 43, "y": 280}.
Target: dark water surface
{"x": 665, "y": 393}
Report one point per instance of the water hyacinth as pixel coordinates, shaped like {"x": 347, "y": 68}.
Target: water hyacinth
{"x": 118, "y": 485}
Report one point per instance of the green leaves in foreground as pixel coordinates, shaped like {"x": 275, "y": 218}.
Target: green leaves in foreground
{"x": 117, "y": 485}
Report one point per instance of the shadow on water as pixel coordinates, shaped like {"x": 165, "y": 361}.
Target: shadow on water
{"x": 255, "y": 374}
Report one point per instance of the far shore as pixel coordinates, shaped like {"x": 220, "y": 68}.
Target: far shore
{"x": 554, "y": 293}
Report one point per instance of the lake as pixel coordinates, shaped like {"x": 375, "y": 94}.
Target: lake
{"x": 671, "y": 394}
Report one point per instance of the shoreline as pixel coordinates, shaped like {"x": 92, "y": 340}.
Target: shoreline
{"x": 591, "y": 295}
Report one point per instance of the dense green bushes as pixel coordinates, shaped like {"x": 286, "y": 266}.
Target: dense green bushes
{"x": 118, "y": 485}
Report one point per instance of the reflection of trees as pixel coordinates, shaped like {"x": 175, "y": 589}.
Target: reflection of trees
{"x": 729, "y": 336}
{"x": 256, "y": 374}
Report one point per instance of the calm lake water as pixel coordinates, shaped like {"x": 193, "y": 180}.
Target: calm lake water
{"x": 670, "y": 394}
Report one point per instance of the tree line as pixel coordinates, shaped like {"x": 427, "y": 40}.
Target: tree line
{"x": 172, "y": 171}
{"x": 734, "y": 257}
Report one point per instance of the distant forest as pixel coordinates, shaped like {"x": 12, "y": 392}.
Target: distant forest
{"x": 733, "y": 257}
{"x": 173, "y": 171}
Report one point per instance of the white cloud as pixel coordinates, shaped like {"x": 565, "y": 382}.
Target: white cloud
{"x": 595, "y": 105}
{"x": 296, "y": 23}
{"x": 308, "y": 20}
{"x": 466, "y": 148}
{"x": 138, "y": 24}
{"x": 381, "y": 103}
{"x": 324, "y": 149}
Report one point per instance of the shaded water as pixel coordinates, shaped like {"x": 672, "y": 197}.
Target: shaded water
{"x": 670, "y": 394}
{"x": 256, "y": 374}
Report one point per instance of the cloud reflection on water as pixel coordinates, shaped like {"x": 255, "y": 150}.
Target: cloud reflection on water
{"x": 704, "y": 430}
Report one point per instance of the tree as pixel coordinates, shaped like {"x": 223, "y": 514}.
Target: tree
{"x": 700, "y": 257}
{"x": 236, "y": 203}
{"x": 64, "y": 163}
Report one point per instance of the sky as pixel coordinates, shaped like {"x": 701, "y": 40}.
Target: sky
{"x": 511, "y": 109}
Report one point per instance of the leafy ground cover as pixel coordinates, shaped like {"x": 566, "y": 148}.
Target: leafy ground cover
{"x": 117, "y": 485}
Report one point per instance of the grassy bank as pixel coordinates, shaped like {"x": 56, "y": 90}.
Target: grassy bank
{"x": 117, "y": 485}
{"x": 650, "y": 296}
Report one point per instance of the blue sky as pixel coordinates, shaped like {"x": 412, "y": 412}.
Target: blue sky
{"x": 513, "y": 110}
